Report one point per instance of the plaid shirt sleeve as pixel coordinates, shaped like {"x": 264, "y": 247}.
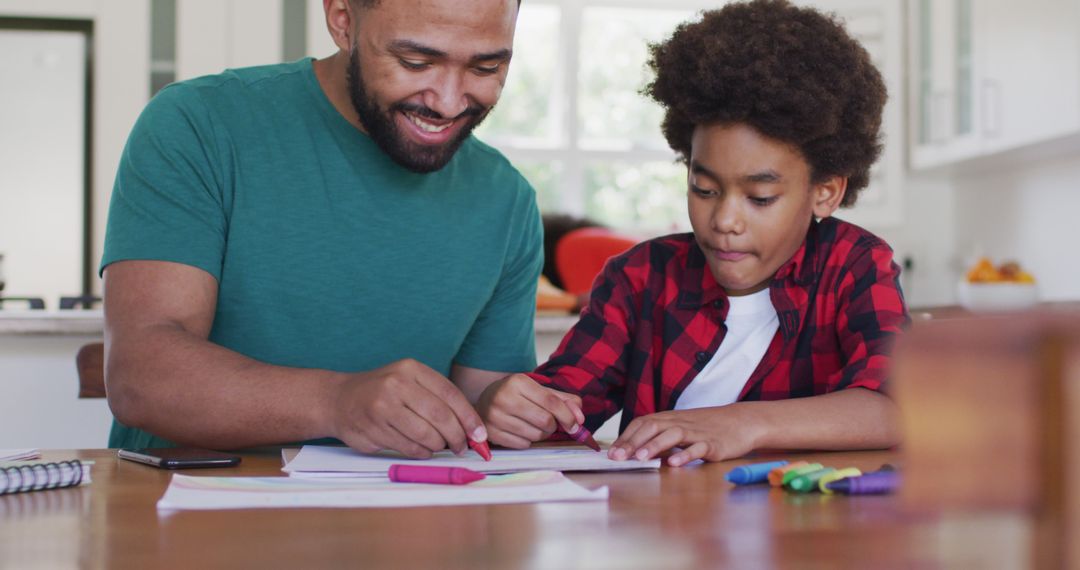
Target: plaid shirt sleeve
{"x": 592, "y": 359}
{"x": 871, "y": 314}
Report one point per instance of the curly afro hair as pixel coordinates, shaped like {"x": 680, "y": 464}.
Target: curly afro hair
{"x": 794, "y": 74}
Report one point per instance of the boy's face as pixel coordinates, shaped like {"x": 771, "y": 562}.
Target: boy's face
{"x": 751, "y": 202}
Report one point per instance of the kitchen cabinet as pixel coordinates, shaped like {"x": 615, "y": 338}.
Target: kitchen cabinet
{"x": 988, "y": 76}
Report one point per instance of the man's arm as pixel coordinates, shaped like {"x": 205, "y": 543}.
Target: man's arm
{"x": 848, "y": 419}
{"x": 164, "y": 376}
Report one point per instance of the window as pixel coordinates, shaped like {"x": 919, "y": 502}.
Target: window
{"x": 572, "y": 117}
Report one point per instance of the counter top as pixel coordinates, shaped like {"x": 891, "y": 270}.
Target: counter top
{"x": 67, "y": 322}
{"x": 82, "y": 322}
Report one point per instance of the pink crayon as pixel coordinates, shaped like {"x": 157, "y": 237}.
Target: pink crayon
{"x": 582, "y": 435}
{"x": 433, "y": 474}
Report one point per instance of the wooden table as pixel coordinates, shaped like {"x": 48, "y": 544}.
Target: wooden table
{"x": 674, "y": 518}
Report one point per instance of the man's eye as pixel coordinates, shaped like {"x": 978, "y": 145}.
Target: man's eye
{"x": 487, "y": 70}
{"x": 412, "y": 64}
{"x": 758, "y": 201}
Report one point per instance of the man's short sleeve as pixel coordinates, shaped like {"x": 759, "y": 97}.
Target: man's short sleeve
{"x": 168, "y": 201}
{"x": 503, "y": 336}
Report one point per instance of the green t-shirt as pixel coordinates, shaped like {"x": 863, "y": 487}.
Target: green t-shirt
{"x": 327, "y": 254}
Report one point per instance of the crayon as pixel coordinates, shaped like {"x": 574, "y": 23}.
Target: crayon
{"x": 432, "y": 474}
{"x": 808, "y": 481}
{"x": 752, "y": 473}
{"x": 482, "y": 448}
{"x": 836, "y": 476}
{"x": 584, "y": 436}
{"x": 877, "y": 483}
{"x": 776, "y": 476}
{"x": 793, "y": 473}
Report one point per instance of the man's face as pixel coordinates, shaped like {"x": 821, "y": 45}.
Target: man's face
{"x": 422, "y": 75}
{"x": 750, "y": 201}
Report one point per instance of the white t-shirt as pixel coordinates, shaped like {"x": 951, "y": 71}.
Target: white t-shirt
{"x": 751, "y": 325}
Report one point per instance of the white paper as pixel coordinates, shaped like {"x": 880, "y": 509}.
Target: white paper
{"x": 188, "y": 492}
{"x": 324, "y": 461}
{"x": 18, "y": 454}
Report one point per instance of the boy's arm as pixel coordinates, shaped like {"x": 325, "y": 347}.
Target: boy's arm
{"x": 581, "y": 380}
{"x": 851, "y": 412}
{"x": 592, "y": 359}
{"x": 847, "y": 419}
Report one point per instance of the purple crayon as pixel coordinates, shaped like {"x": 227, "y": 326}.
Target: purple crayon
{"x": 877, "y": 483}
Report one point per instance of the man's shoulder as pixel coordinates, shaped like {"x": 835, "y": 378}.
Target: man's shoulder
{"x": 244, "y": 83}
{"x": 478, "y": 159}
{"x": 483, "y": 155}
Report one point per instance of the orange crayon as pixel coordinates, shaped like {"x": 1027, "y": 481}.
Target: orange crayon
{"x": 776, "y": 476}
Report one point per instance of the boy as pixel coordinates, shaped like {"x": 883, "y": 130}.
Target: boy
{"x": 770, "y": 326}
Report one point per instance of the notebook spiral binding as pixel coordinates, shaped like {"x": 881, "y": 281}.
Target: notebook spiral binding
{"x": 40, "y": 476}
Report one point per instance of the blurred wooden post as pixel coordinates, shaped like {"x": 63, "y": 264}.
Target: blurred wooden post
{"x": 990, "y": 410}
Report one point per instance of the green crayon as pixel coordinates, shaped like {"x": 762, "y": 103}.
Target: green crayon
{"x": 800, "y": 471}
{"x": 808, "y": 481}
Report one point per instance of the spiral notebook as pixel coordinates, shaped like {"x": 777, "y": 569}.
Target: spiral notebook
{"x": 39, "y": 475}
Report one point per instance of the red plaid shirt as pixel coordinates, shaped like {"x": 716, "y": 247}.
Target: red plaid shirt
{"x": 656, "y": 317}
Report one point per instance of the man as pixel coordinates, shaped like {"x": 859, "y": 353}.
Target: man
{"x": 320, "y": 249}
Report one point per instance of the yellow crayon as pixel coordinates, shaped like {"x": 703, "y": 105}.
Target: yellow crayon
{"x": 836, "y": 476}
{"x": 776, "y": 476}
{"x": 793, "y": 473}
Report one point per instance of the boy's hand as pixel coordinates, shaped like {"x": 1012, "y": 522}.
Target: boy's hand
{"x": 518, "y": 411}
{"x": 712, "y": 434}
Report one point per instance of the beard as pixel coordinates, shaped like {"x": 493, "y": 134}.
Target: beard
{"x": 384, "y": 131}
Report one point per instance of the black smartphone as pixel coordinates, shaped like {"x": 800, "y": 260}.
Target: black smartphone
{"x": 179, "y": 457}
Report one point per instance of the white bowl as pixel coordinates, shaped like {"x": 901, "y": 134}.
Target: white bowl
{"x": 988, "y": 297}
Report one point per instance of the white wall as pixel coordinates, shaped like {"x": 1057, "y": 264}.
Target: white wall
{"x": 927, "y": 236}
{"x": 1027, "y": 213}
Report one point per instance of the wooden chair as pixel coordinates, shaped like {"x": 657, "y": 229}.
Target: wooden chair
{"x": 90, "y": 362}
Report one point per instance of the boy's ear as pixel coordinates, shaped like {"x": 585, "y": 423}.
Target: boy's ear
{"x": 339, "y": 23}
{"x": 828, "y": 195}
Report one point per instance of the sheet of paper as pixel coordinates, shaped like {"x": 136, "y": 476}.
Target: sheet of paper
{"x": 18, "y": 454}
{"x": 325, "y": 461}
{"x": 188, "y": 492}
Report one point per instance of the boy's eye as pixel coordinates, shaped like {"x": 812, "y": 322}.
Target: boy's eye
{"x": 413, "y": 64}
{"x": 763, "y": 201}
{"x": 702, "y": 192}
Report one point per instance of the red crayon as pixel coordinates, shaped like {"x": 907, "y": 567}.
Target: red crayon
{"x": 431, "y": 474}
{"x": 584, "y": 436}
{"x": 482, "y": 448}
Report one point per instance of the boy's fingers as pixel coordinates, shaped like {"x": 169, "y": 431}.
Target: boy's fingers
{"x": 507, "y": 439}
{"x": 692, "y": 453}
{"x": 518, "y": 427}
{"x": 664, "y": 440}
{"x": 553, "y": 407}
{"x": 574, "y": 403}
{"x": 632, "y": 440}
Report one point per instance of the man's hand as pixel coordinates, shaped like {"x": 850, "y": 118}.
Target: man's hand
{"x": 518, "y": 411}
{"x": 405, "y": 407}
{"x": 712, "y": 434}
